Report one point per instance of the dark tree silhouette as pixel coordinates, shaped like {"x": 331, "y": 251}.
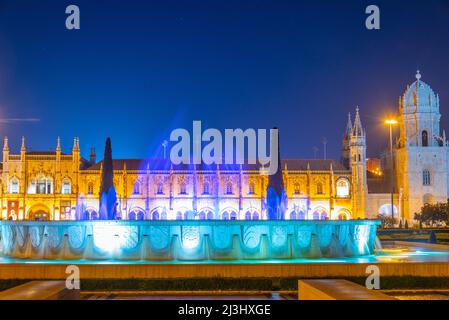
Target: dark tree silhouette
{"x": 276, "y": 197}
{"x": 108, "y": 198}
{"x": 107, "y": 175}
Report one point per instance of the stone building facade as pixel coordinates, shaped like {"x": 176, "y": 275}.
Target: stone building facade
{"x": 61, "y": 186}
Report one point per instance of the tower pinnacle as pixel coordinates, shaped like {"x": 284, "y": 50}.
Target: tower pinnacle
{"x": 357, "y": 129}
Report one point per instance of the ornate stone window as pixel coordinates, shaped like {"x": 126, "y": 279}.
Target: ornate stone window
{"x": 182, "y": 188}
{"x": 342, "y": 188}
{"x": 160, "y": 188}
{"x": 14, "y": 186}
{"x": 229, "y": 188}
{"x": 297, "y": 188}
{"x": 319, "y": 188}
{"x": 90, "y": 188}
{"x": 251, "y": 188}
{"x": 44, "y": 185}
{"x": 136, "y": 188}
{"x": 424, "y": 138}
{"x": 320, "y": 214}
{"x": 426, "y": 177}
{"x": 206, "y": 188}
{"x": 66, "y": 187}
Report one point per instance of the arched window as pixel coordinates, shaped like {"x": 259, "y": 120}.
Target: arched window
{"x": 319, "y": 188}
{"x": 342, "y": 216}
{"x": 233, "y": 215}
{"x": 14, "y": 187}
{"x": 426, "y": 177}
{"x": 44, "y": 185}
{"x": 160, "y": 188}
{"x": 297, "y": 215}
{"x": 251, "y": 188}
{"x": 297, "y": 188}
{"x": 189, "y": 215}
{"x": 94, "y": 215}
{"x": 225, "y": 216}
{"x": 320, "y": 214}
{"x": 136, "y": 188}
{"x": 182, "y": 188}
{"x": 342, "y": 188}
{"x": 66, "y": 187}
{"x": 178, "y": 216}
{"x": 206, "y": 189}
{"x": 202, "y": 215}
{"x": 229, "y": 188}
{"x": 293, "y": 215}
{"x": 424, "y": 138}
{"x": 155, "y": 215}
{"x": 248, "y": 215}
{"x": 255, "y": 216}
{"x": 90, "y": 188}
{"x": 32, "y": 187}
{"x": 210, "y": 215}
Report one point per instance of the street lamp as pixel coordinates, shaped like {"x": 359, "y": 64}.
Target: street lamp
{"x": 391, "y": 123}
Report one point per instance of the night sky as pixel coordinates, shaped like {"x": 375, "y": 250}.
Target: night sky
{"x": 138, "y": 69}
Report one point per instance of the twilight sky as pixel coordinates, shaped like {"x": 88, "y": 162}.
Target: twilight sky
{"x": 138, "y": 69}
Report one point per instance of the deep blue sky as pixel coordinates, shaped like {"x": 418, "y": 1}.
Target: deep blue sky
{"x": 138, "y": 69}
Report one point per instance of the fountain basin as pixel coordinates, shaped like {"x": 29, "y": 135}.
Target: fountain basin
{"x": 187, "y": 240}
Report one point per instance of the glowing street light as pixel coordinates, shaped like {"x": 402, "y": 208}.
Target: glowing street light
{"x": 391, "y": 122}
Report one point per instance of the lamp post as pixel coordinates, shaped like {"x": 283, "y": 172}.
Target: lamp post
{"x": 391, "y": 123}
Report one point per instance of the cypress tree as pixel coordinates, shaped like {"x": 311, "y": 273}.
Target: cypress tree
{"x": 107, "y": 175}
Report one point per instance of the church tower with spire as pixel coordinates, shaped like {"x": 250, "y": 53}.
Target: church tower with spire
{"x": 345, "y": 154}
{"x": 421, "y": 152}
{"x": 357, "y": 162}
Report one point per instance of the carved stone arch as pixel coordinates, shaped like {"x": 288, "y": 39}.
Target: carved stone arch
{"x": 39, "y": 212}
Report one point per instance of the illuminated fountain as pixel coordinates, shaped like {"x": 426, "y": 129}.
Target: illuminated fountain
{"x": 187, "y": 240}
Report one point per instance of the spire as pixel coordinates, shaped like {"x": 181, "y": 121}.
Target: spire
{"x": 92, "y": 156}
{"x": 357, "y": 130}
{"x": 5, "y": 144}
{"x": 348, "y": 125}
{"x": 23, "y": 148}
{"x": 58, "y": 145}
{"x": 76, "y": 146}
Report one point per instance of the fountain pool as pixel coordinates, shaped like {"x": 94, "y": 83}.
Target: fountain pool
{"x": 187, "y": 241}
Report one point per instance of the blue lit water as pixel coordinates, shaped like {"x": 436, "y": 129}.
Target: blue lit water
{"x": 397, "y": 254}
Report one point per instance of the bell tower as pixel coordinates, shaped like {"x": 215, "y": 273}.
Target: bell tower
{"x": 357, "y": 160}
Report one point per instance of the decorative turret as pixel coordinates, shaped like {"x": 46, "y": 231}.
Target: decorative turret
{"x": 58, "y": 145}
{"x": 23, "y": 149}
{"x": 76, "y": 145}
{"x": 5, "y": 150}
{"x": 92, "y": 156}
{"x": 58, "y": 149}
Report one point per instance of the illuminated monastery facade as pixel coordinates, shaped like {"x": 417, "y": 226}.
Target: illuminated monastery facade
{"x": 58, "y": 186}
